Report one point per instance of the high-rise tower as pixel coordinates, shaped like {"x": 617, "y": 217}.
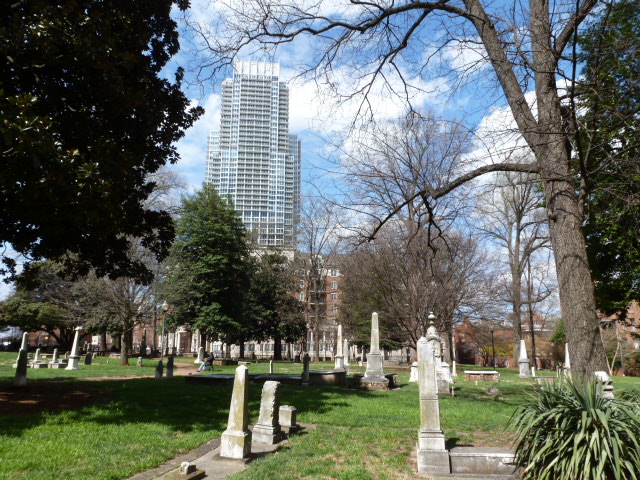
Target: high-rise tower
{"x": 252, "y": 159}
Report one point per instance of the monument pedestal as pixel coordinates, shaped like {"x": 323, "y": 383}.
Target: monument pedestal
{"x": 339, "y": 359}
{"x": 525, "y": 371}
{"x": 73, "y": 363}
{"x": 268, "y": 434}
{"x": 235, "y": 444}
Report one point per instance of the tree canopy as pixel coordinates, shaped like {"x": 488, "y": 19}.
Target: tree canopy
{"x": 85, "y": 116}
{"x": 207, "y": 277}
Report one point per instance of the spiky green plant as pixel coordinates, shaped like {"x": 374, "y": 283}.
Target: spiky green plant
{"x": 568, "y": 431}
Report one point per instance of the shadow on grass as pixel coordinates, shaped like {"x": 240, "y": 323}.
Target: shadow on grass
{"x": 183, "y": 407}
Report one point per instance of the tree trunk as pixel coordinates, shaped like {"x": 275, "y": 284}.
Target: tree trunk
{"x": 277, "y": 348}
{"x": 103, "y": 341}
{"x": 127, "y": 341}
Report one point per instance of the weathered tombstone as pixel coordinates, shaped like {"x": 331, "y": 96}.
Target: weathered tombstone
{"x": 55, "y": 358}
{"x": 523, "y": 361}
{"x": 443, "y": 371}
{"x": 87, "y": 359}
{"x": 21, "y": 369}
{"x": 159, "y": 369}
{"x": 37, "y": 360}
{"x": 605, "y": 382}
{"x": 374, "y": 375}
{"x": 305, "y": 369}
{"x": 339, "y": 357}
{"x": 170, "y": 366}
{"x": 73, "y": 358}
{"x": 236, "y": 439}
{"x": 24, "y": 345}
{"x": 361, "y": 361}
{"x": 533, "y": 372}
{"x": 433, "y": 458}
{"x": 567, "y": 360}
{"x": 200, "y": 358}
{"x": 454, "y": 373}
{"x": 37, "y": 357}
{"x": 267, "y": 430}
{"x": 139, "y": 363}
{"x": 345, "y": 349}
{"x": 271, "y": 367}
{"x": 414, "y": 372}
{"x": 288, "y": 417}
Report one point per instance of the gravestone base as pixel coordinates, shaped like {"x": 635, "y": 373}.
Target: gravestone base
{"x": 483, "y": 461}
{"x": 268, "y": 434}
{"x": 73, "y": 363}
{"x": 57, "y": 365}
{"x": 525, "y": 371}
{"x": 433, "y": 462}
{"x": 235, "y": 444}
{"x": 39, "y": 365}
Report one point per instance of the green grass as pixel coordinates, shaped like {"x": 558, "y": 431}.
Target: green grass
{"x": 143, "y": 422}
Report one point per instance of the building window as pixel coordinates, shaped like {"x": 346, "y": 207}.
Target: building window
{"x": 334, "y": 273}
{"x": 334, "y": 285}
{"x": 302, "y": 296}
{"x": 334, "y": 296}
{"x": 301, "y": 284}
{"x": 334, "y": 309}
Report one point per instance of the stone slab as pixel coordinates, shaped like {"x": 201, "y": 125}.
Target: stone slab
{"x": 482, "y": 461}
{"x": 482, "y": 376}
{"x": 327, "y": 377}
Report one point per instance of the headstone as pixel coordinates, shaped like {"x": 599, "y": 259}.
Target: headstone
{"x": 139, "y": 363}
{"x": 287, "y": 417}
{"x": 454, "y": 373}
{"x": 414, "y": 372}
{"x": 159, "y": 369}
{"x": 605, "y": 383}
{"x": 523, "y": 361}
{"x": 21, "y": 369}
{"x": 271, "y": 367}
{"x": 37, "y": 358}
{"x": 361, "y": 361}
{"x": 567, "y": 360}
{"x": 305, "y": 369}
{"x": 236, "y": 439}
{"x": 533, "y": 372}
{"x": 73, "y": 358}
{"x": 345, "y": 349}
{"x": 200, "y": 358}
{"x": 433, "y": 458}
{"x": 170, "y": 366}
{"x": 24, "y": 345}
{"x": 87, "y": 359}
{"x": 374, "y": 373}
{"x": 443, "y": 371}
{"x": 55, "y": 358}
{"x": 339, "y": 358}
{"x": 267, "y": 430}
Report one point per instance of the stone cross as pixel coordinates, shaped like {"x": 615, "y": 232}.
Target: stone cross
{"x": 73, "y": 358}
{"x": 159, "y": 369}
{"x": 200, "y": 358}
{"x": 523, "y": 361}
{"x": 339, "y": 358}
{"x": 170, "y": 366}
{"x": 433, "y": 458}
{"x": 305, "y": 369}
{"x": 236, "y": 439}
{"x": 267, "y": 430}
{"x": 21, "y": 369}
{"x": 374, "y": 373}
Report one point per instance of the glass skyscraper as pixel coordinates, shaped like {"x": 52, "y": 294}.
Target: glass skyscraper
{"x": 252, "y": 159}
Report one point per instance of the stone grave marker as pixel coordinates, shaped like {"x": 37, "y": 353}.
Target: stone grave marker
{"x": 139, "y": 362}
{"x": 236, "y": 439}
{"x": 288, "y": 418}
{"x": 200, "y": 357}
{"x": 339, "y": 357}
{"x": 170, "y": 366}
{"x": 73, "y": 358}
{"x": 523, "y": 361}
{"x": 20, "y": 379}
{"x": 159, "y": 369}
{"x": 267, "y": 430}
{"x": 374, "y": 375}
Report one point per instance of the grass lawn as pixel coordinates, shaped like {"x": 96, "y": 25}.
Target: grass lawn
{"x": 141, "y": 422}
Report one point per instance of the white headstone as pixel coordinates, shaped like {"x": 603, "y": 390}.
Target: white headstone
{"x": 267, "y": 430}
{"x": 236, "y": 439}
{"x": 523, "y": 361}
{"x": 339, "y": 358}
{"x": 414, "y": 372}
{"x": 200, "y": 358}
{"x": 75, "y": 354}
{"x": 433, "y": 458}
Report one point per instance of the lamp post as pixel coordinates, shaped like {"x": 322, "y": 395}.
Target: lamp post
{"x": 165, "y": 308}
{"x": 493, "y": 349}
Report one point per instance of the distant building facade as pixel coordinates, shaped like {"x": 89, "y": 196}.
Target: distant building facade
{"x": 253, "y": 160}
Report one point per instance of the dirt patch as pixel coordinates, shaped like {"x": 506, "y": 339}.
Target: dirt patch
{"x": 38, "y": 397}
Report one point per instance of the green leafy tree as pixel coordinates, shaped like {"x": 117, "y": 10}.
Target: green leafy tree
{"x": 608, "y": 152}
{"x": 207, "y": 276}
{"x": 274, "y": 312}
{"x": 85, "y": 116}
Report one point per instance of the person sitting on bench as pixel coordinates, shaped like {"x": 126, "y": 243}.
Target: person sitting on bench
{"x": 207, "y": 363}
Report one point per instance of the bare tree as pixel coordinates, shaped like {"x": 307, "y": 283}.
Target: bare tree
{"x": 510, "y": 216}
{"x": 319, "y": 241}
{"x": 525, "y": 43}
